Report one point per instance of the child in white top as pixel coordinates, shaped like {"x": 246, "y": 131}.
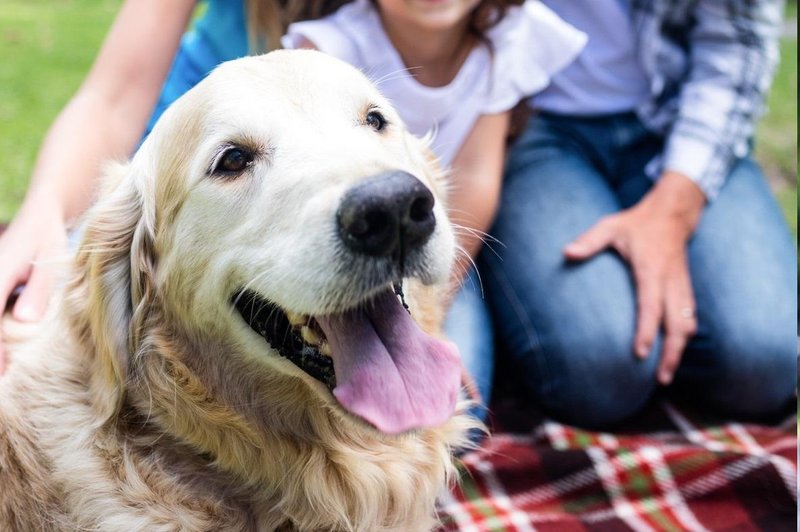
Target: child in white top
{"x": 460, "y": 85}
{"x": 447, "y": 81}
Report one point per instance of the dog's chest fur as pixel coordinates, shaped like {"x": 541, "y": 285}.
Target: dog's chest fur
{"x": 62, "y": 468}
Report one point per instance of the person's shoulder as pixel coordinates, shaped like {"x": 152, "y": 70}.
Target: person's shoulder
{"x": 532, "y": 22}
{"x": 530, "y": 44}
{"x": 343, "y": 34}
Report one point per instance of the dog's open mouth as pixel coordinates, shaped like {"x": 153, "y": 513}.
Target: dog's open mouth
{"x": 374, "y": 358}
{"x": 297, "y": 338}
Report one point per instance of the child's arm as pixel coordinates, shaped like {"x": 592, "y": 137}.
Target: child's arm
{"x": 476, "y": 181}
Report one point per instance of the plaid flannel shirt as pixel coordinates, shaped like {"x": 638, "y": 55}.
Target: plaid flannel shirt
{"x": 710, "y": 64}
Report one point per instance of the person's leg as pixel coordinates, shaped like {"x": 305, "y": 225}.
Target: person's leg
{"x": 469, "y": 325}
{"x": 568, "y": 327}
{"x": 743, "y": 265}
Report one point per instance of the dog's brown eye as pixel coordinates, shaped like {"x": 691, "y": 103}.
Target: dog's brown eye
{"x": 233, "y": 161}
{"x": 376, "y": 120}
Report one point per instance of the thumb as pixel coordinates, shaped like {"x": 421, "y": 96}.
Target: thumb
{"x": 595, "y": 239}
{"x": 35, "y": 295}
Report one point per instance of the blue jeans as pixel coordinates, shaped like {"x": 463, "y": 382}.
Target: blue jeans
{"x": 569, "y": 328}
{"x": 469, "y": 325}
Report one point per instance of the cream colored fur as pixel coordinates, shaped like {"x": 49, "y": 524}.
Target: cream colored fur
{"x": 144, "y": 402}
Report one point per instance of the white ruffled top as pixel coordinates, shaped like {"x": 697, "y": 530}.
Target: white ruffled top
{"x": 528, "y": 46}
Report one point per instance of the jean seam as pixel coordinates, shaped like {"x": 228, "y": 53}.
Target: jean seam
{"x": 530, "y": 331}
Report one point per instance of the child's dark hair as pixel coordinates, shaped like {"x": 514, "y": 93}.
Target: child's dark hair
{"x": 268, "y": 19}
{"x": 487, "y": 14}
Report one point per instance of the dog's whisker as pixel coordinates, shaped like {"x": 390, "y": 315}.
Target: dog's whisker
{"x": 252, "y": 281}
{"x": 470, "y": 265}
{"x": 89, "y": 250}
{"x": 487, "y": 241}
{"x": 55, "y": 260}
{"x": 487, "y": 245}
{"x": 462, "y": 268}
{"x": 461, "y": 227}
{"x": 485, "y": 237}
{"x": 252, "y": 303}
{"x": 247, "y": 285}
{"x": 393, "y": 75}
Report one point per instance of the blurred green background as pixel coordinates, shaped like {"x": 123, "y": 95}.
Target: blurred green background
{"x": 46, "y": 47}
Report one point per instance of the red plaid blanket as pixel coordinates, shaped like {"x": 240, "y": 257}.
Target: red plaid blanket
{"x": 671, "y": 471}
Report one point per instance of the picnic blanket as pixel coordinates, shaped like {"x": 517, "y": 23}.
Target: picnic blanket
{"x": 668, "y": 470}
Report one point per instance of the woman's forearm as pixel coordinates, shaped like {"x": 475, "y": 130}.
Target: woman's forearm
{"x": 107, "y": 116}
{"x": 86, "y": 134}
{"x": 477, "y": 182}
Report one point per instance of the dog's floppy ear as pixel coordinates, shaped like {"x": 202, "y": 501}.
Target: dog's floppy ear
{"x": 113, "y": 285}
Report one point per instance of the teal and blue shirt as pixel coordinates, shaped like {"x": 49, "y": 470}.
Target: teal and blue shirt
{"x": 217, "y": 34}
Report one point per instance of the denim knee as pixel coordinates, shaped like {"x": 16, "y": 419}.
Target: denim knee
{"x": 757, "y": 373}
{"x": 594, "y": 382}
{"x": 468, "y": 325}
{"x": 743, "y": 265}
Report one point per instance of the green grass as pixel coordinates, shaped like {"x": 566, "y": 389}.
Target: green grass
{"x": 791, "y": 9}
{"x": 788, "y": 200}
{"x": 777, "y": 133}
{"x": 776, "y": 146}
{"x": 46, "y": 47}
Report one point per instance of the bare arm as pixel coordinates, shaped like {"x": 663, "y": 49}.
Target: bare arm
{"x": 107, "y": 115}
{"x": 104, "y": 120}
{"x": 476, "y": 182}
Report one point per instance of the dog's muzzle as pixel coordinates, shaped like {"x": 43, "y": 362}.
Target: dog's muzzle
{"x": 378, "y": 363}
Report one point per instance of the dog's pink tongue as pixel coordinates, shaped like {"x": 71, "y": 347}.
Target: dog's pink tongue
{"x": 388, "y": 371}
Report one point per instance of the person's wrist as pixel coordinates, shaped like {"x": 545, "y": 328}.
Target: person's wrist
{"x": 41, "y": 204}
{"x": 678, "y": 198}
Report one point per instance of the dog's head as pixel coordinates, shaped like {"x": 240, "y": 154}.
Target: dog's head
{"x": 273, "y": 221}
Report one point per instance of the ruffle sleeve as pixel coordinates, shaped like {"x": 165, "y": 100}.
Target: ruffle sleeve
{"x": 529, "y": 46}
{"x": 326, "y": 35}
{"x": 352, "y": 33}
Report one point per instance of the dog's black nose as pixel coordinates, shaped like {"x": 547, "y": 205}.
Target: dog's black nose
{"x": 388, "y": 214}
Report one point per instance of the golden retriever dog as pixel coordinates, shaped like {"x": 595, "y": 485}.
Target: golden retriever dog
{"x": 248, "y": 339}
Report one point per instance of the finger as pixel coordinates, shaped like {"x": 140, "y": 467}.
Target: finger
{"x": 674, "y": 344}
{"x": 650, "y": 307}
{"x": 33, "y": 301}
{"x": 680, "y": 322}
{"x": 597, "y": 238}
{"x": 2, "y": 352}
{"x": 675, "y": 339}
{"x": 7, "y": 285}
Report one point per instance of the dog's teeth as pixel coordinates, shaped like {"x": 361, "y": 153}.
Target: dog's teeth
{"x": 309, "y": 335}
{"x": 325, "y": 348}
{"x": 298, "y": 320}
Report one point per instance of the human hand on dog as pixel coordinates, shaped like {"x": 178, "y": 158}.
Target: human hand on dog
{"x": 31, "y": 239}
{"x": 117, "y": 98}
{"x": 652, "y": 237}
